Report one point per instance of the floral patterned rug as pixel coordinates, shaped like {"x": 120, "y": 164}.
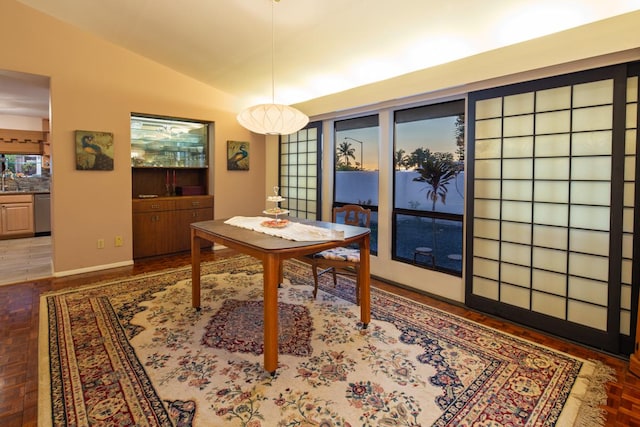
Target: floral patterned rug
{"x": 134, "y": 352}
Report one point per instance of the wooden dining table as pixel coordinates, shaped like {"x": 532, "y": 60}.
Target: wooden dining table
{"x": 272, "y": 251}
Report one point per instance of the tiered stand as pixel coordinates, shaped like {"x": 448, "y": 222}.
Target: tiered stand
{"x": 276, "y": 211}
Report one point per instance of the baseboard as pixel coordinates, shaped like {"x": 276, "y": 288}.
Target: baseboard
{"x": 92, "y": 269}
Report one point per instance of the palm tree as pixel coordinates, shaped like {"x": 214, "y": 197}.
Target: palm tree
{"x": 460, "y": 137}
{"x": 402, "y": 160}
{"x": 418, "y": 156}
{"x": 437, "y": 171}
{"x": 346, "y": 151}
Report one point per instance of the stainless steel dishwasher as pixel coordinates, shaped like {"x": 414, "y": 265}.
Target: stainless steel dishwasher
{"x": 42, "y": 214}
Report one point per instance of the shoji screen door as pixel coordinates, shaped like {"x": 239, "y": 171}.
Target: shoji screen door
{"x": 552, "y": 171}
{"x": 300, "y": 157}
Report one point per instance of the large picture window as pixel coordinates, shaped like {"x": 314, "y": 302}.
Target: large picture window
{"x": 429, "y": 186}
{"x": 356, "y": 167}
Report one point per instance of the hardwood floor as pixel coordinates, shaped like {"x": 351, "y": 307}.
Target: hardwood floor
{"x": 19, "y": 305}
{"x": 25, "y": 259}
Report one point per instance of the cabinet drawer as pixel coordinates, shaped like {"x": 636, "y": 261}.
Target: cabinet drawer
{"x": 16, "y": 198}
{"x": 194, "y": 202}
{"x": 152, "y": 205}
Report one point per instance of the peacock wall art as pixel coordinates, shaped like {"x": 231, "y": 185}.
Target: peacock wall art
{"x": 237, "y": 156}
{"x": 94, "y": 150}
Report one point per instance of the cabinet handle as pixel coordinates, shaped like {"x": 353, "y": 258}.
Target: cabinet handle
{"x": 155, "y": 206}
{"x": 194, "y": 204}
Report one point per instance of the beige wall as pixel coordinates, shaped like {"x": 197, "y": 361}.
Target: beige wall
{"x": 95, "y": 86}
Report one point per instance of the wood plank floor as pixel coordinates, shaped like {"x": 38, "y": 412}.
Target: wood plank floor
{"x": 19, "y": 338}
{"x": 25, "y": 259}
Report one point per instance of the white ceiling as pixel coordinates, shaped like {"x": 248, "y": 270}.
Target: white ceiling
{"x": 24, "y": 94}
{"x": 321, "y": 46}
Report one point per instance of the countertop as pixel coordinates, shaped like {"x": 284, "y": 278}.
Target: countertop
{"x": 13, "y": 192}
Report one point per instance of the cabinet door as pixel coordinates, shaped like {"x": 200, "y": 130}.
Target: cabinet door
{"x": 183, "y": 229}
{"x": 152, "y": 233}
{"x": 17, "y": 219}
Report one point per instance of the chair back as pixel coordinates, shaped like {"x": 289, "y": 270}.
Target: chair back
{"x": 353, "y": 215}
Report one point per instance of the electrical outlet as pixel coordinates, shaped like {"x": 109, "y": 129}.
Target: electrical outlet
{"x": 118, "y": 241}
{"x": 100, "y": 243}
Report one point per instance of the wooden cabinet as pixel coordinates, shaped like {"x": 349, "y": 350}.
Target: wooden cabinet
{"x": 46, "y": 146}
{"x": 16, "y": 216}
{"x": 169, "y": 159}
{"x": 152, "y": 220}
{"x": 14, "y": 141}
{"x": 161, "y": 225}
{"x": 169, "y": 156}
{"x": 188, "y": 210}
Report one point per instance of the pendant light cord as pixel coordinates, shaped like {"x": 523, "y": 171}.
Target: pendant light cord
{"x": 273, "y": 49}
{"x": 273, "y": 119}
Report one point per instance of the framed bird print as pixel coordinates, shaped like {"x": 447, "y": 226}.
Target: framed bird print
{"x": 237, "y": 156}
{"x": 94, "y": 150}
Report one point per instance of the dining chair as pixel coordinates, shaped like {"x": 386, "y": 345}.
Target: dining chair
{"x": 346, "y": 259}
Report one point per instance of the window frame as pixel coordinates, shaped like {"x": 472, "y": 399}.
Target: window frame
{"x": 448, "y": 108}
{"x": 365, "y": 121}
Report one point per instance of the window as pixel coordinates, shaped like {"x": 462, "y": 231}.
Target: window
{"x": 300, "y": 171}
{"x": 428, "y": 186}
{"x": 356, "y": 167}
{"x": 22, "y": 165}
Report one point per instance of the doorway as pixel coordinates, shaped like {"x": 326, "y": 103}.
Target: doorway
{"x": 25, "y": 108}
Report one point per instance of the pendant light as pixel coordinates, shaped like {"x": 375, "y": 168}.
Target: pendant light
{"x": 272, "y": 119}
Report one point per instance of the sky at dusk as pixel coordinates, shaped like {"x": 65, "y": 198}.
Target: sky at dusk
{"x": 438, "y": 135}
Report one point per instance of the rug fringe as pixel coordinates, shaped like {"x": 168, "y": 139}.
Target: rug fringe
{"x": 590, "y": 412}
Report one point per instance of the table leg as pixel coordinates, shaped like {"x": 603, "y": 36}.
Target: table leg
{"x": 280, "y": 274}
{"x": 364, "y": 279}
{"x": 195, "y": 270}
{"x": 271, "y": 268}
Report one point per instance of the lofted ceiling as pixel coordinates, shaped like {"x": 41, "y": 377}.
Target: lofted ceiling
{"x": 23, "y": 94}
{"x": 321, "y": 46}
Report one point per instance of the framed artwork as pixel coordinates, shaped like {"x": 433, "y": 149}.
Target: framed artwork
{"x": 237, "y": 156}
{"x": 94, "y": 150}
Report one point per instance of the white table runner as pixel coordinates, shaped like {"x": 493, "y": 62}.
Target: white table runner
{"x": 293, "y": 231}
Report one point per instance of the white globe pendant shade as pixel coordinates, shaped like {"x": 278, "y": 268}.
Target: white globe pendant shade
{"x": 272, "y": 119}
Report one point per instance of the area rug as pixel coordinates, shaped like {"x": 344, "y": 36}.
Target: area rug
{"x": 134, "y": 352}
